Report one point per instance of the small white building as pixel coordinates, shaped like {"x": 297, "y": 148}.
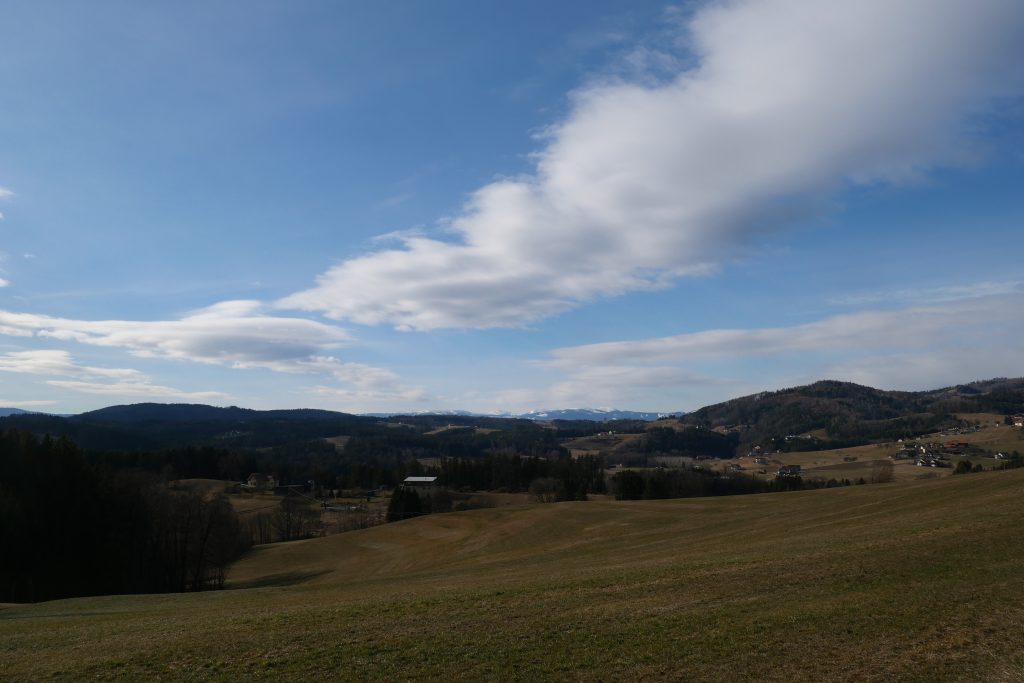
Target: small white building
{"x": 420, "y": 483}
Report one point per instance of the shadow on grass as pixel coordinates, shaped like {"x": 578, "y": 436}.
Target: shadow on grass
{"x": 283, "y": 579}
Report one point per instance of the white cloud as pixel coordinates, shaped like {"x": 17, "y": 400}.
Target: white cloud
{"x": 369, "y": 393}
{"x": 31, "y": 403}
{"x": 55, "y": 362}
{"x": 396, "y": 200}
{"x": 119, "y": 381}
{"x": 237, "y": 334}
{"x": 230, "y": 333}
{"x": 3, "y": 282}
{"x": 932, "y": 294}
{"x": 369, "y": 399}
{"x": 5, "y": 194}
{"x": 912, "y": 348}
{"x": 136, "y": 389}
{"x": 788, "y": 101}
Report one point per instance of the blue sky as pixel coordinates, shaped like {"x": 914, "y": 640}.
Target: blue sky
{"x": 373, "y": 206}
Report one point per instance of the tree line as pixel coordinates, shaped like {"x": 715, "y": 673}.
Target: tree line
{"x": 69, "y": 527}
{"x": 696, "y": 483}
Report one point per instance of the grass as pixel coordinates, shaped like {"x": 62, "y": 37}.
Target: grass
{"x": 919, "y": 581}
{"x": 857, "y": 461}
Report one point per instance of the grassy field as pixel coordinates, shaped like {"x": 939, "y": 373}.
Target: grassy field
{"x": 857, "y": 461}
{"x": 919, "y": 581}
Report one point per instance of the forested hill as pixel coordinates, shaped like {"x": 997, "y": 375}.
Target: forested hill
{"x": 12, "y": 411}
{"x": 843, "y": 411}
{"x": 192, "y": 412}
{"x": 835, "y": 412}
{"x": 155, "y": 426}
{"x": 148, "y": 426}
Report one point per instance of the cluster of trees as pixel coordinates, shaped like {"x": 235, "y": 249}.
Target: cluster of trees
{"x": 576, "y": 476}
{"x": 290, "y": 520}
{"x": 695, "y": 483}
{"x": 406, "y": 502}
{"x": 852, "y": 431}
{"x": 525, "y": 439}
{"x": 964, "y": 467}
{"x": 692, "y": 441}
{"x": 69, "y": 527}
{"x": 681, "y": 483}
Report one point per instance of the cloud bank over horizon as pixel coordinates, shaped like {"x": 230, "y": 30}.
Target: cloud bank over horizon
{"x": 642, "y": 183}
{"x": 913, "y": 348}
{"x": 236, "y": 334}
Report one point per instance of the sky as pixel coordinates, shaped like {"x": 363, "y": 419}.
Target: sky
{"x": 410, "y": 206}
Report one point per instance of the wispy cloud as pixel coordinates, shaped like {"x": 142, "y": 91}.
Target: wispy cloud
{"x": 918, "y": 327}
{"x": 60, "y": 363}
{"x": 6, "y": 194}
{"x": 368, "y": 398}
{"x": 31, "y": 403}
{"x": 777, "y": 104}
{"x": 401, "y": 235}
{"x": 230, "y": 333}
{"x": 114, "y": 381}
{"x": 911, "y": 348}
{"x": 136, "y": 389}
{"x": 237, "y": 334}
{"x": 396, "y": 200}
{"x": 925, "y": 295}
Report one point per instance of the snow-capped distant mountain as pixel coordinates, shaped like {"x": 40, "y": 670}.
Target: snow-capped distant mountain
{"x": 456, "y": 413}
{"x": 592, "y": 414}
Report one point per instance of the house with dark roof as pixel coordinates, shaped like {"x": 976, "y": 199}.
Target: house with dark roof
{"x": 789, "y": 471}
{"x": 258, "y": 481}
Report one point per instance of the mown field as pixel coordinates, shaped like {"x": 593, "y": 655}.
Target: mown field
{"x": 920, "y": 581}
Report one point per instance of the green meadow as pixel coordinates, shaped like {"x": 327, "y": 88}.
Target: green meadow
{"x": 917, "y": 581}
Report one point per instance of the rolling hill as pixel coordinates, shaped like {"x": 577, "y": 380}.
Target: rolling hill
{"x": 914, "y": 582}
{"x": 838, "y": 413}
{"x": 4, "y": 412}
{"x": 850, "y": 413}
{"x": 151, "y": 426}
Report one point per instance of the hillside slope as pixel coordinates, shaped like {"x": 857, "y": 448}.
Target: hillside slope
{"x": 851, "y": 413}
{"x": 920, "y": 582}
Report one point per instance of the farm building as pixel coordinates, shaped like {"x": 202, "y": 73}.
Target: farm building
{"x": 258, "y": 481}
{"x": 420, "y": 483}
{"x": 789, "y": 471}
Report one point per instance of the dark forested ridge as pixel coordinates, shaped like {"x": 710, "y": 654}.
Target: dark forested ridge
{"x": 148, "y": 426}
{"x": 849, "y": 413}
{"x": 839, "y": 412}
